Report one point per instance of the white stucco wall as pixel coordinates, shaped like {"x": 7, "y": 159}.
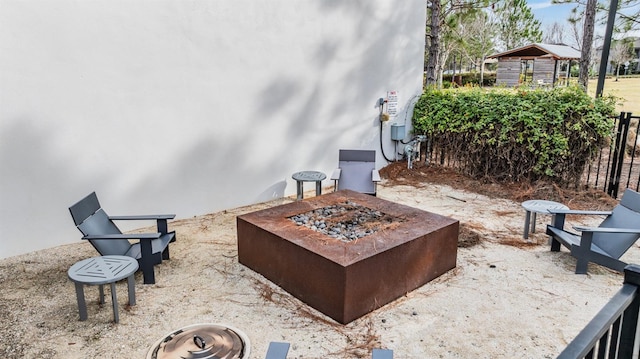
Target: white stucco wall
{"x": 188, "y": 107}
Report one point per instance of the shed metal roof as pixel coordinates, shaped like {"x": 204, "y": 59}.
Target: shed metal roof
{"x": 558, "y": 52}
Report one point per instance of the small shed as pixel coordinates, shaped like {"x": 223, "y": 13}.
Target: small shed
{"x": 537, "y": 63}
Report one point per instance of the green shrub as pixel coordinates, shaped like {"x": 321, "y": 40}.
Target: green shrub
{"x": 516, "y": 134}
{"x": 469, "y": 79}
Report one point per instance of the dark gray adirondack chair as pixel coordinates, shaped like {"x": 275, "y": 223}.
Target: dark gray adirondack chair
{"x": 98, "y": 228}
{"x": 382, "y": 354}
{"x": 604, "y": 244}
{"x": 356, "y": 171}
{"x": 277, "y": 350}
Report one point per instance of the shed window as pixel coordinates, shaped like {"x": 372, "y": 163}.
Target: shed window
{"x": 526, "y": 71}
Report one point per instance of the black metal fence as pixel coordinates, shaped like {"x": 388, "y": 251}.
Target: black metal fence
{"x": 616, "y": 164}
{"x": 612, "y": 333}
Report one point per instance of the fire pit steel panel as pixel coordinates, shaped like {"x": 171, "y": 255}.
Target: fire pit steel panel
{"x": 346, "y": 280}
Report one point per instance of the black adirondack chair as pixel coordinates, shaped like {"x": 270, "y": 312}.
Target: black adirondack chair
{"x": 356, "y": 171}
{"x": 604, "y": 244}
{"x": 98, "y": 228}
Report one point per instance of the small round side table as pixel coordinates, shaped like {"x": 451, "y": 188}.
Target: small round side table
{"x": 100, "y": 271}
{"x": 537, "y": 206}
{"x": 308, "y": 176}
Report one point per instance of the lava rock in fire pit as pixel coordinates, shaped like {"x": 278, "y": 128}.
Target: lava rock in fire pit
{"x": 345, "y": 221}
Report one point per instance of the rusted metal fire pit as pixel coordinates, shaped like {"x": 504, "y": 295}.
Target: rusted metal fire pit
{"x": 347, "y": 279}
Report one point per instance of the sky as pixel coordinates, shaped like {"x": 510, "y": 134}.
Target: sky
{"x": 549, "y": 13}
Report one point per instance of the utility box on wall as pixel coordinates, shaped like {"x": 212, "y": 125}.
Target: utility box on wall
{"x": 397, "y": 132}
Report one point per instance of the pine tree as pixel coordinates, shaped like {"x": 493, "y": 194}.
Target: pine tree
{"x": 517, "y": 26}
{"x": 438, "y": 12}
{"x": 477, "y": 32}
{"x": 587, "y": 41}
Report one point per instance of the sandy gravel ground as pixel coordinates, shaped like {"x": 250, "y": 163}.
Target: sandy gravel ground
{"x": 506, "y": 298}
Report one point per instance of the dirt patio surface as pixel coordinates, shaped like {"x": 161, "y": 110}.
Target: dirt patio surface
{"x": 507, "y": 297}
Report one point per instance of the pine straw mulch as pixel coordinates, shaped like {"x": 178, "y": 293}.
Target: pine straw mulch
{"x": 361, "y": 340}
{"x": 397, "y": 173}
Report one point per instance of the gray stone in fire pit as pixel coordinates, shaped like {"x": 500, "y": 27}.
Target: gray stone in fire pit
{"x": 346, "y": 221}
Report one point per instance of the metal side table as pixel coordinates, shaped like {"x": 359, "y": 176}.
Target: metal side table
{"x": 308, "y": 176}
{"x": 537, "y": 206}
{"x": 100, "y": 271}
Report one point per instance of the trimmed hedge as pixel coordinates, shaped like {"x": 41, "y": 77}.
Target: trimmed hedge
{"x": 469, "y": 79}
{"x": 517, "y": 134}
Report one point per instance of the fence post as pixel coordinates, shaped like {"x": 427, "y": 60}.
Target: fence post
{"x": 632, "y": 274}
{"x": 630, "y": 316}
{"x": 618, "y": 154}
{"x": 623, "y": 151}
